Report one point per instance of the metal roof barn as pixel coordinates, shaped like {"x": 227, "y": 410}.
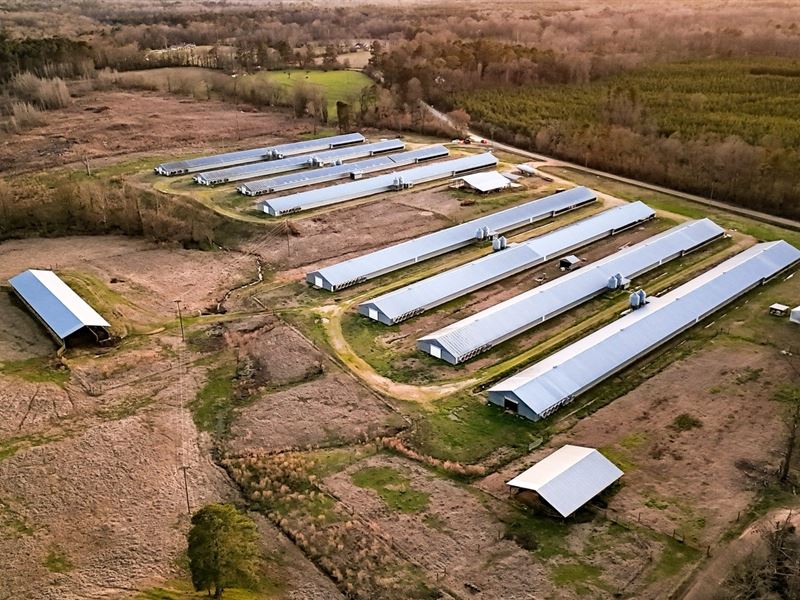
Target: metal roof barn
{"x": 294, "y": 163}
{"x": 386, "y": 260}
{"x": 568, "y": 478}
{"x": 382, "y": 183}
{"x": 423, "y": 295}
{"x": 794, "y": 316}
{"x": 486, "y": 182}
{"x": 478, "y": 333}
{"x": 354, "y": 170}
{"x": 241, "y": 157}
{"x": 56, "y": 305}
{"x": 543, "y": 388}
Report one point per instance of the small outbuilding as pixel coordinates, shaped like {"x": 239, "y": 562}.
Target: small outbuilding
{"x": 779, "y": 310}
{"x": 794, "y": 317}
{"x": 569, "y": 262}
{"x": 64, "y": 314}
{"x": 483, "y": 183}
{"x": 568, "y": 478}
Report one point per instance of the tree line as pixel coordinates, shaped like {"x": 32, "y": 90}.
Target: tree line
{"x": 31, "y": 207}
{"x": 45, "y": 57}
{"x": 588, "y": 43}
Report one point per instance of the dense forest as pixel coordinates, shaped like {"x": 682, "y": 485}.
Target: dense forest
{"x": 44, "y": 57}
{"x": 726, "y": 129}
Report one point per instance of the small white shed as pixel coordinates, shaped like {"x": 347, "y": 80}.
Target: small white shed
{"x": 484, "y": 182}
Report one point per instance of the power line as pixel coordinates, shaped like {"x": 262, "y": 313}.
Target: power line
{"x": 181, "y": 449}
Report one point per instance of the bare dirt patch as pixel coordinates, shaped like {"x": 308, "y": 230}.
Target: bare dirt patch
{"x": 345, "y": 233}
{"x": 692, "y": 479}
{"x": 302, "y": 398}
{"x": 111, "y": 499}
{"x": 331, "y": 409}
{"x": 280, "y": 355}
{"x": 30, "y": 407}
{"x": 141, "y": 279}
{"x": 117, "y": 123}
{"x": 21, "y": 336}
{"x": 90, "y": 471}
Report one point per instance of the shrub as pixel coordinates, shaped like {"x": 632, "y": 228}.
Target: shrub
{"x": 685, "y": 421}
{"x": 46, "y": 94}
{"x": 104, "y": 80}
{"x": 138, "y": 82}
{"x": 455, "y": 468}
{"x": 23, "y": 116}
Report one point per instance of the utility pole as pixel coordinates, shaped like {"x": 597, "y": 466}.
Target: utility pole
{"x": 185, "y": 468}
{"x": 180, "y": 319}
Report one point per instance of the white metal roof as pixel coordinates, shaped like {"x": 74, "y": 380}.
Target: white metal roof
{"x": 61, "y": 309}
{"x": 361, "y": 167}
{"x": 375, "y": 185}
{"x": 239, "y": 157}
{"x": 294, "y": 163}
{"x": 417, "y": 297}
{"x": 780, "y": 307}
{"x": 569, "y": 477}
{"x": 486, "y": 182}
{"x": 562, "y": 376}
{"x": 394, "y": 257}
{"x": 479, "y": 332}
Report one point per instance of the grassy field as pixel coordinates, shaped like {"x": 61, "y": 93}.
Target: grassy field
{"x": 392, "y": 487}
{"x": 337, "y": 85}
{"x": 182, "y": 590}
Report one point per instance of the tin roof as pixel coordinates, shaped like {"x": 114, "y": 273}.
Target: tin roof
{"x": 56, "y": 304}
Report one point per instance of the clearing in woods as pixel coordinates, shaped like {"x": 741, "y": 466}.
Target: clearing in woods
{"x": 344, "y": 85}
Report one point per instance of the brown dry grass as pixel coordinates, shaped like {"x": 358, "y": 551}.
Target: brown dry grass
{"x": 103, "y": 124}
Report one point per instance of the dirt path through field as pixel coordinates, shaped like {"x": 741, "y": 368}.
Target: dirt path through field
{"x": 418, "y": 393}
